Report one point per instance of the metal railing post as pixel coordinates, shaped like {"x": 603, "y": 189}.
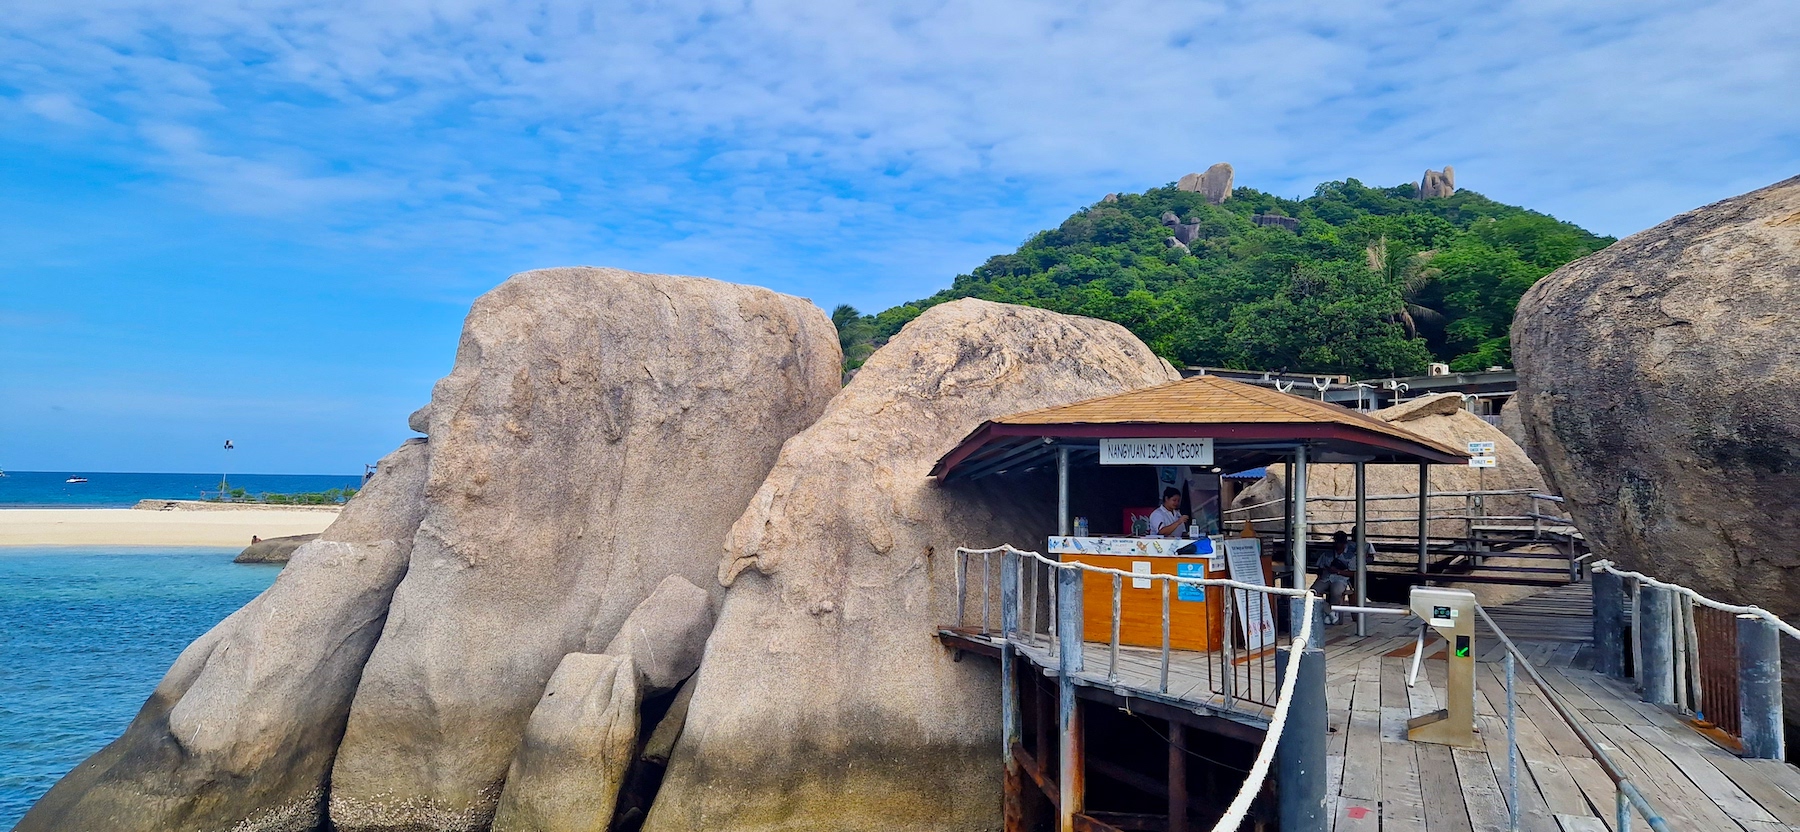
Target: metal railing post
{"x": 1162, "y": 680}
{"x": 1112, "y": 656}
{"x": 1609, "y": 624}
{"x": 962, "y": 587}
{"x": 1424, "y": 518}
{"x": 1009, "y": 683}
{"x": 1759, "y": 687}
{"x": 1070, "y": 775}
{"x": 1512, "y": 750}
{"x": 1657, "y": 676}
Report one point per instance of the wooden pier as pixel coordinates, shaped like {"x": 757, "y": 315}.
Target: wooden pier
{"x": 1376, "y": 779}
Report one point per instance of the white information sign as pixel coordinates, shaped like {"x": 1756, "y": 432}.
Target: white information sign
{"x": 1191, "y": 451}
{"x": 1244, "y": 556}
{"x": 1140, "y": 567}
{"x": 1481, "y": 462}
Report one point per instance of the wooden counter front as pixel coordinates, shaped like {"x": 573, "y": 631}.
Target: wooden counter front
{"x": 1193, "y": 624}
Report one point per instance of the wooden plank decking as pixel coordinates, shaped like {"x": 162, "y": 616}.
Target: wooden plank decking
{"x": 1378, "y": 780}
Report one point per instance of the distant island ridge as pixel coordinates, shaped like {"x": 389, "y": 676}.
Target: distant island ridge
{"x": 1355, "y": 280}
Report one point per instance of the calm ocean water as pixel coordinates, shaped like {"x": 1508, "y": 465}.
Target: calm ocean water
{"x": 85, "y": 634}
{"x": 22, "y": 489}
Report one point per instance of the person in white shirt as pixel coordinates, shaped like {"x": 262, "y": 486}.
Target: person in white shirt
{"x": 1166, "y": 521}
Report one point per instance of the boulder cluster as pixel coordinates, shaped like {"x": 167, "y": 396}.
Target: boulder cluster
{"x": 1436, "y": 183}
{"x": 1214, "y": 184}
{"x": 650, "y": 567}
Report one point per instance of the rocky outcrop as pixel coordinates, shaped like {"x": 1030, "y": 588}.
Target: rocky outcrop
{"x": 600, "y": 432}
{"x": 274, "y": 549}
{"x": 241, "y": 732}
{"x": 823, "y": 701}
{"x": 1436, "y": 183}
{"x": 1441, "y": 417}
{"x": 1110, "y": 198}
{"x": 578, "y": 744}
{"x": 1214, "y": 184}
{"x": 1512, "y": 425}
{"x": 1657, "y": 384}
{"x": 1184, "y": 232}
{"x": 1171, "y": 242}
{"x": 665, "y": 635}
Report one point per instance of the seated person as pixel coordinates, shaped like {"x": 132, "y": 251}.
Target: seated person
{"x": 1336, "y": 567}
{"x": 1166, "y": 521}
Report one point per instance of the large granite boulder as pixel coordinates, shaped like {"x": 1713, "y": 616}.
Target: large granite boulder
{"x": 579, "y": 742}
{"x": 241, "y": 732}
{"x": 1214, "y": 184}
{"x": 600, "y": 431}
{"x": 1512, "y": 425}
{"x": 1657, "y": 384}
{"x": 274, "y": 549}
{"x": 1437, "y": 183}
{"x": 824, "y": 701}
{"x": 666, "y": 635}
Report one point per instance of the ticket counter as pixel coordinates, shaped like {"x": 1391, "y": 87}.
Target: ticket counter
{"x": 1196, "y": 613}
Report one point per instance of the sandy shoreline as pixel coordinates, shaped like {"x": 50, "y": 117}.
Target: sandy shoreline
{"x": 132, "y": 527}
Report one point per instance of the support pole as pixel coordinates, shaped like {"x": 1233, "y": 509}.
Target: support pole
{"x": 1178, "y": 795}
{"x": 1071, "y": 775}
{"x": 1012, "y": 807}
{"x": 1362, "y": 544}
{"x": 1062, "y": 492}
{"x": 1424, "y": 509}
{"x": 1300, "y": 756}
{"x": 1609, "y": 624}
{"x": 1657, "y": 676}
{"x": 1287, "y": 517}
{"x": 1759, "y": 687}
{"x": 1301, "y": 578}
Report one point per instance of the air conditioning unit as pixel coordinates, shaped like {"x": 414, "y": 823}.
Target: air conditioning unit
{"x": 1439, "y": 369}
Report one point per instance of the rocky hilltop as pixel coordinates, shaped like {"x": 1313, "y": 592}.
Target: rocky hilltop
{"x": 1656, "y": 389}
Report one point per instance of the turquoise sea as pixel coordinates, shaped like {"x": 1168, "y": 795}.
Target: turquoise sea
{"x": 85, "y": 634}
{"x": 103, "y": 489}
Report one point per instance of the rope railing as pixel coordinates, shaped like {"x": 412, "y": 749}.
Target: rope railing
{"x": 1735, "y": 609}
{"x": 1298, "y": 642}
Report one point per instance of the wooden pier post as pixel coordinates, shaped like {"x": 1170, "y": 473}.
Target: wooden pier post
{"x": 1300, "y": 758}
{"x": 1071, "y": 773}
{"x": 1178, "y": 794}
{"x": 1656, "y": 678}
{"x": 1609, "y": 624}
{"x": 1759, "y": 688}
{"x": 1012, "y": 805}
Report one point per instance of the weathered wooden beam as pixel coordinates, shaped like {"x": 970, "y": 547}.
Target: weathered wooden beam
{"x": 1654, "y": 618}
{"x": 1759, "y": 688}
{"x": 1012, "y": 801}
{"x": 1070, "y": 775}
{"x": 1178, "y": 791}
{"x": 1609, "y": 624}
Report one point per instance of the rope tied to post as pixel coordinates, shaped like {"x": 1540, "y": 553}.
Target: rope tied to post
{"x": 1735, "y": 609}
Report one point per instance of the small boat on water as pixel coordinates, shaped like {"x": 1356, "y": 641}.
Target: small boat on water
{"x": 76, "y": 479}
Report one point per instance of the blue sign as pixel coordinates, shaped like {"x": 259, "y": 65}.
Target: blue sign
{"x": 1190, "y": 592}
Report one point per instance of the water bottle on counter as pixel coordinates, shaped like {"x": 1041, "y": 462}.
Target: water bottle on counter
{"x": 1193, "y": 530}
{"x": 1081, "y": 527}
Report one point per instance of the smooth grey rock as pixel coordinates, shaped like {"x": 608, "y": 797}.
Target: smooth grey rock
{"x": 599, "y": 432}
{"x": 274, "y": 549}
{"x": 1110, "y": 198}
{"x": 1171, "y": 242}
{"x": 1436, "y": 183}
{"x": 666, "y": 635}
{"x": 668, "y": 729}
{"x": 578, "y": 744}
{"x": 240, "y": 733}
{"x": 1215, "y": 183}
{"x": 823, "y": 702}
{"x": 420, "y": 420}
{"x": 1657, "y": 383}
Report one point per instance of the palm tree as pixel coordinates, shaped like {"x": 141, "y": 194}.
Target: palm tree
{"x": 1411, "y": 274}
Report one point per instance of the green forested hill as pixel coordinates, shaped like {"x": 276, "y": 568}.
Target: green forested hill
{"x": 1374, "y": 281}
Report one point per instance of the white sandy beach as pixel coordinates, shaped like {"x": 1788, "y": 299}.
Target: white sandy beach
{"x": 134, "y": 527}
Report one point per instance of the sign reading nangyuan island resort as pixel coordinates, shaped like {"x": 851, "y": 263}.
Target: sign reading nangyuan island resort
{"x": 1156, "y": 451}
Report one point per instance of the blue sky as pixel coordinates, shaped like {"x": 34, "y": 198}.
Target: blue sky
{"x": 264, "y": 220}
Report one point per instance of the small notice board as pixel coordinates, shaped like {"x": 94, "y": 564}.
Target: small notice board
{"x": 1243, "y": 555}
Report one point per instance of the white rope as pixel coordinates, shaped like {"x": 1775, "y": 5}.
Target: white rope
{"x": 1240, "y": 805}
{"x": 1759, "y": 612}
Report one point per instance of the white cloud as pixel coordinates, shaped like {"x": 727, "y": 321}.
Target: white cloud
{"x": 825, "y": 136}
